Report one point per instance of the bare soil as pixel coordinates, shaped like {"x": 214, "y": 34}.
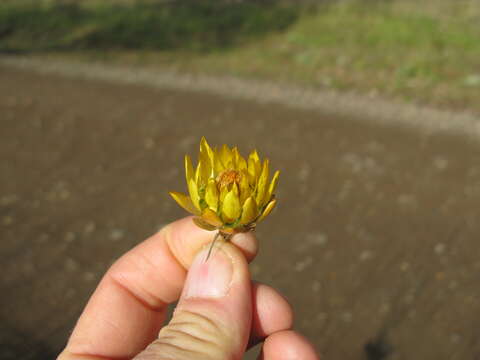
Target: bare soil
{"x": 375, "y": 240}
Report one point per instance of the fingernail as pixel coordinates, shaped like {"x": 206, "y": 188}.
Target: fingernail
{"x": 211, "y": 278}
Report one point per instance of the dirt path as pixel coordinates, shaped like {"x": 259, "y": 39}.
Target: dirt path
{"x": 362, "y": 108}
{"x": 375, "y": 239}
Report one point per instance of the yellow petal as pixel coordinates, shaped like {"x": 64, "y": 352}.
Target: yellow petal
{"x": 211, "y": 217}
{"x": 223, "y": 193}
{"x": 254, "y": 155}
{"x": 204, "y": 173}
{"x": 250, "y": 211}
{"x": 206, "y": 158}
{"x": 235, "y": 190}
{"x": 231, "y": 208}
{"x": 268, "y": 209}
{"x": 272, "y": 187}
{"x": 203, "y": 170}
{"x": 211, "y": 195}
{"x": 254, "y": 167}
{"x": 189, "y": 174}
{"x": 262, "y": 184}
{"x": 235, "y": 155}
{"x": 240, "y": 162}
{"x": 252, "y": 175}
{"x": 184, "y": 201}
{"x": 198, "y": 173}
{"x": 217, "y": 163}
{"x": 203, "y": 224}
{"x": 193, "y": 190}
{"x": 245, "y": 191}
{"x": 204, "y": 145}
{"x": 226, "y": 157}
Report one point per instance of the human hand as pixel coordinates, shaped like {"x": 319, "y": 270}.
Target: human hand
{"x": 220, "y": 312}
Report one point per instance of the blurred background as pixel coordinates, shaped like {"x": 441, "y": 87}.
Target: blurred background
{"x": 375, "y": 239}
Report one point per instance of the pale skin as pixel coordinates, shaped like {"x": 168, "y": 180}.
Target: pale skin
{"x": 220, "y": 311}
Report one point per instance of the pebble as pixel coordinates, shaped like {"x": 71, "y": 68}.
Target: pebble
{"x": 187, "y": 142}
{"x": 440, "y": 275}
{"x": 439, "y": 248}
{"x": 304, "y": 172}
{"x": 404, "y": 266}
{"x": 117, "y": 234}
{"x": 70, "y": 264}
{"x": 322, "y": 316}
{"x": 455, "y": 338}
{"x": 149, "y": 143}
{"x": 316, "y": 286}
{"x": 303, "y": 264}
{"x": 63, "y": 194}
{"x": 70, "y": 237}
{"x": 362, "y": 164}
{"x": 89, "y": 276}
{"x": 384, "y": 308}
{"x": 58, "y": 192}
{"x": 329, "y": 254}
{"x": 440, "y": 163}
{"x": 406, "y": 200}
{"x": 452, "y": 285}
{"x": 315, "y": 239}
{"x": 320, "y": 239}
{"x": 90, "y": 227}
{"x": 347, "y": 316}
{"x": 366, "y": 255}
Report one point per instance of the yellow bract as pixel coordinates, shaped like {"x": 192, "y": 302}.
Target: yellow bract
{"x": 226, "y": 191}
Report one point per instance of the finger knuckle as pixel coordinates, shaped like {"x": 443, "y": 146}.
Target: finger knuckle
{"x": 194, "y": 336}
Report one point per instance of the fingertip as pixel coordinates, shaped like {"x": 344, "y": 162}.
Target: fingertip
{"x": 247, "y": 243}
{"x": 271, "y": 312}
{"x": 185, "y": 240}
{"x": 288, "y": 345}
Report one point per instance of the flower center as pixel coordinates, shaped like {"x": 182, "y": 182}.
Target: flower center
{"x": 227, "y": 177}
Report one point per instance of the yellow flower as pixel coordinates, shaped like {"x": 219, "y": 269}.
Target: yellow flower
{"x": 226, "y": 191}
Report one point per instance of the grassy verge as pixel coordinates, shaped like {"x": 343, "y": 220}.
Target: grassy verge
{"x": 188, "y": 24}
{"x": 400, "y": 49}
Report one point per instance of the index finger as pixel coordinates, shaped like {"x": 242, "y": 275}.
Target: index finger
{"x": 126, "y": 311}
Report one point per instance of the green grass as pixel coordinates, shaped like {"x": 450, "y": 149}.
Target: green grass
{"x": 424, "y": 53}
{"x": 197, "y": 25}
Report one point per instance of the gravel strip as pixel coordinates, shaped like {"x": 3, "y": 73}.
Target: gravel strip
{"x": 354, "y": 106}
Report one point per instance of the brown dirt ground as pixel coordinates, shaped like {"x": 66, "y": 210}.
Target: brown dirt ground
{"x": 375, "y": 240}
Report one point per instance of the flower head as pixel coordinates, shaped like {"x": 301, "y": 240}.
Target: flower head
{"x": 226, "y": 191}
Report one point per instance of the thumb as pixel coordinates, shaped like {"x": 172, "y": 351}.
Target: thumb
{"x": 213, "y": 316}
